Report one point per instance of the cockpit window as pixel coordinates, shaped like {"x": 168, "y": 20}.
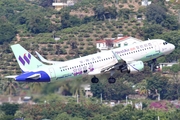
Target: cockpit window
{"x": 165, "y": 43}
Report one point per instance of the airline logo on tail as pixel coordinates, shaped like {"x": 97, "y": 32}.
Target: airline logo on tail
{"x": 25, "y": 59}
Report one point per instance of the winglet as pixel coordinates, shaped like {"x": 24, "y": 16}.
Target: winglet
{"x": 44, "y": 60}
{"x": 116, "y": 56}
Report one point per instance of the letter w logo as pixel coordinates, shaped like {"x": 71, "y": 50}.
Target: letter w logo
{"x": 25, "y": 59}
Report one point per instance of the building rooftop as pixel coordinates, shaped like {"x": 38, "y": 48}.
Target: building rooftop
{"x": 115, "y": 41}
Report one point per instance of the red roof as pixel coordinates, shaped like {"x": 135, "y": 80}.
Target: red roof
{"x": 100, "y": 41}
{"x": 115, "y": 41}
{"x": 120, "y": 39}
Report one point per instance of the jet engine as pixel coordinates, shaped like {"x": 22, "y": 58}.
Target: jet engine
{"x": 133, "y": 67}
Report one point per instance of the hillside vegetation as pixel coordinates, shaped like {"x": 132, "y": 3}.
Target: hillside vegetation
{"x": 35, "y": 24}
{"x": 78, "y": 27}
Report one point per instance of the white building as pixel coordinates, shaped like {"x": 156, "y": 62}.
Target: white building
{"x": 87, "y": 89}
{"x": 145, "y": 2}
{"x": 119, "y": 42}
{"x": 58, "y": 5}
{"x": 161, "y": 65}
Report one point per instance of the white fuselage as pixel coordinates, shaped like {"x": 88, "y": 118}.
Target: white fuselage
{"x": 143, "y": 51}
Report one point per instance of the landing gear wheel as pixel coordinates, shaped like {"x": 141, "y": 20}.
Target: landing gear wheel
{"x": 94, "y": 80}
{"x": 111, "y": 80}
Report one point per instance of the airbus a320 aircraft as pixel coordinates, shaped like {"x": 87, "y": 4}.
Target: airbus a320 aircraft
{"x": 126, "y": 59}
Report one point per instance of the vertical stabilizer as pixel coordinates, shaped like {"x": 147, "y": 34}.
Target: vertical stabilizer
{"x": 26, "y": 60}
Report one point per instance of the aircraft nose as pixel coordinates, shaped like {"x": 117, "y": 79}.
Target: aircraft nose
{"x": 172, "y": 47}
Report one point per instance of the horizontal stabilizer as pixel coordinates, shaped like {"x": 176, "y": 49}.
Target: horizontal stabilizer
{"x": 46, "y": 61}
{"x": 12, "y": 76}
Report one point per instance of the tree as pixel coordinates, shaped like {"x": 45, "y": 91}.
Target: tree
{"x": 171, "y": 23}
{"x": 148, "y": 31}
{"x": 117, "y": 91}
{"x": 76, "y": 88}
{"x": 36, "y": 87}
{"x": 46, "y": 3}
{"x": 124, "y": 13}
{"x": 7, "y": 31}
{"x": 69, "y": 21}
{"x": 157, "y": 85}
{"x": 9, "y": 87}
{"x": 97, "y": 89}
{"x": 9, "y": 109}
{"x": 155, "y": 14}
{"x": 38, "y": 24}
{"x": 21, "y": 20}
{"x": 110, "y": 12}
{"x": 99, "y": 11}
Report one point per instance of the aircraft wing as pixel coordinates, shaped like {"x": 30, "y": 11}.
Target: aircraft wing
{"x": 112, "y": 66}
{"x": 46, "y": 61}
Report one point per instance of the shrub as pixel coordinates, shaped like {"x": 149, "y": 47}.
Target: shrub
{"x": 95, "y": 35}
{"x": 82, "y": 43}
{"x": 86, "y": 35}
{"x": 89, "y": 39}
{"x": 80, "y": 39}
{"x": 66, "y": 46}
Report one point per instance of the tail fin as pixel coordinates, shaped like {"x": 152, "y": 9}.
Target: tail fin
{"x": 26, "y": 60}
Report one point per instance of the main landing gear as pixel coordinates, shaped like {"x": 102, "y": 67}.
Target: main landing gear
{"x": 94, "y": 80}
{"x": 110, "y": 80}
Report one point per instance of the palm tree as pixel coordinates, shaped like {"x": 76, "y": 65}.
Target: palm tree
{"x": 10, "y": 87}
{"x": 36, "y": 87}
{"x": 76, "y": 88}
{"x": 1, "y": 86}
{"x": 142, "y": 88}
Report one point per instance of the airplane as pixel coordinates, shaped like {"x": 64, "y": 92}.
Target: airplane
{"x": 126, "y": 59}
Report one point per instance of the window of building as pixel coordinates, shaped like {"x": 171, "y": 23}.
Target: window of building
{"x": 119, "y": 45}
{"x": 125, "y": 44}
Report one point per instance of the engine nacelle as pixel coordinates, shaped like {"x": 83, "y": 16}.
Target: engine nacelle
{"x": 133, "y": 67}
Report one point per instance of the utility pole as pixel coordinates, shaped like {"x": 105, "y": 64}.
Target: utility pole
{"x": 101, "y": 98}
{"x": 77, "y": 99}
{"x": 126, "y": 100}
{"x": 179, "y": 15}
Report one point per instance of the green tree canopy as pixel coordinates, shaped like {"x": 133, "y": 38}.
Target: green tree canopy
{"x": 9, "y": 109}
{"x": 157, "y": 85}
{"x": 38, "y": 24}
{"x": 155, "y": 14}
{"x": 7, "y": 31}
